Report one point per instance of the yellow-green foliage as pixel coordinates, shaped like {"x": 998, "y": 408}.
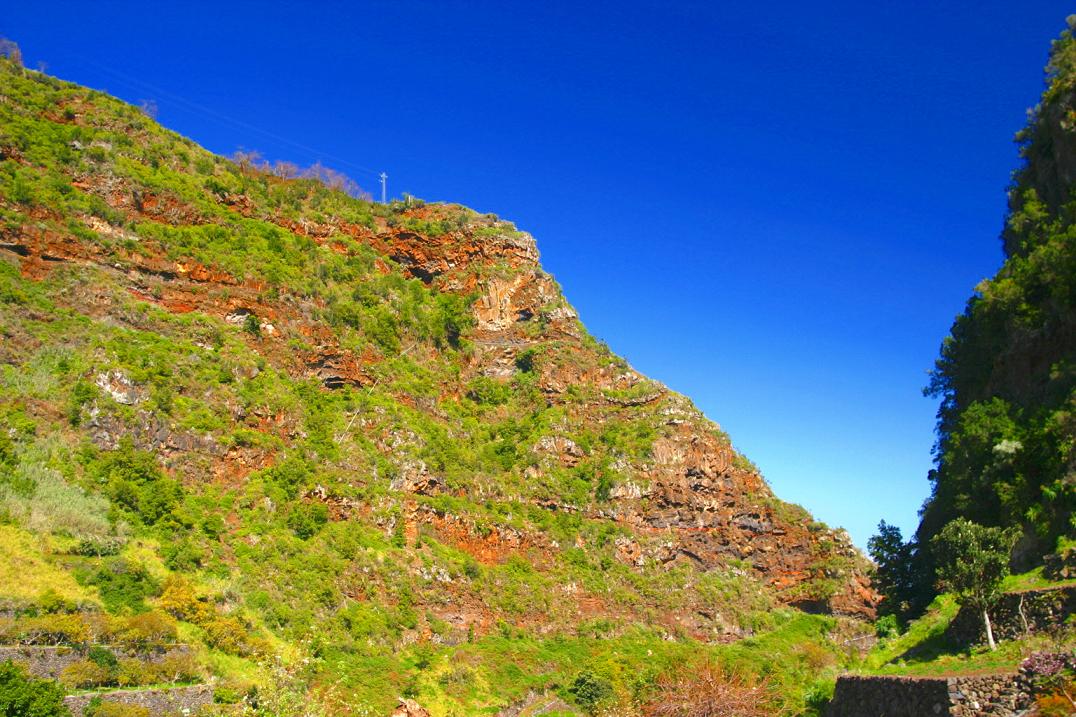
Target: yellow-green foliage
{"x": 84, "y": 674}
{"x": 26, "y": 572}
{"x": 257, "y": 565}
{"x": 108, "y": 708}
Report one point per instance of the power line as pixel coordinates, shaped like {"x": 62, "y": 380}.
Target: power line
{"x": 213, "y": 114}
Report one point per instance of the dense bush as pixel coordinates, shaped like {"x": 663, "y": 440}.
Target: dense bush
{"x": 123, "y": 585}
{"x": 134, "y": 481}
{"x": 590, "y": 690}
{"x": 24, "y": 696}
{"x": 46, "y": 630}
{"x": 180, "y": 599}
{"x": 85, "y": 674}
{"x": 306, "y": 519}
{"x": 147, "y": 630}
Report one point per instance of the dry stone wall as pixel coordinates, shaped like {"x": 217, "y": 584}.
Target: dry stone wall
{"x": 179, "y": 701}
{"x": 50, "y": 662}
{"x": 1000, "y": 695}
{"x": 1043, "y": 610}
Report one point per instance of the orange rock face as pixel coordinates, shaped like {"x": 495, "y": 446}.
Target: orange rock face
{"x": 687, "y": 499}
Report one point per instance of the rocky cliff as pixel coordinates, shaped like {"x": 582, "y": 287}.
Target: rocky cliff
{"x": 384, "y": 423}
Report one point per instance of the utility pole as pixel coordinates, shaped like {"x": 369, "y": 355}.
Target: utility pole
{"x": 384, "y": 177}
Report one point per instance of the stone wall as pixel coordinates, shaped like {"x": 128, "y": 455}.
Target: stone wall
{"x": 1001, "y": 695}
{"x": 172, "y": 701}
{"x": 1044, "y": 610}
{"x": 49, "y": 662}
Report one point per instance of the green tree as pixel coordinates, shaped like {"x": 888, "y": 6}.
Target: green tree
{"x": 898, "y": 576}
{"x": 133, "y": 480}
{"x": 972, "y": 561}
{"x": 589, "y": 690}
{"x": 306, "y": 519}
{"x": 24, "y": 696}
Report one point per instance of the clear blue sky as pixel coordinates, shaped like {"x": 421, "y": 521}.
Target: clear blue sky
{"x": 774, "y": 208}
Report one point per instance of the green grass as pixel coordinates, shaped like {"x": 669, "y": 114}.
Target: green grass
{"x": 924, "y": 650}
{"x": 347, "y": 599}
{"x": 1032, "y": 580}
{"x": 27, "y": 573}
{"x": 478, "y": 678}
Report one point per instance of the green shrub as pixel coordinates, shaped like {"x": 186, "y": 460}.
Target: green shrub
{"x": 85, "y": 674}
{"x": 124, "y": 586}
{"x": 82, "y": 393}
{"x": 818, "y": 696}
{"x": 24, "y": 696}
{"x": 103, "y": 658}
{"x": 290, "y": 475}
{"x": 182, "y": 555}
{"x": 526, "y": 359}
{"x": 590, "y": 690}
{"x": 213, "y": 526}
{"x": 887, "y": 626}
{"x": 134, "y": 481}
{"x": 487, "y": 391}
{"x": 306, "y": 519}
{"x": 50, "y": 602}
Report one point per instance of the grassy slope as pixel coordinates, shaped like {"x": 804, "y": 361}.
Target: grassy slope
{"x": 923, "y": 650}
{"x": 356, "y": 609}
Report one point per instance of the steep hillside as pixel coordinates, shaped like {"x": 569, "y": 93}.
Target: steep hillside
{"x": 373, "y": 440}
{"x": 1006, "y": 452}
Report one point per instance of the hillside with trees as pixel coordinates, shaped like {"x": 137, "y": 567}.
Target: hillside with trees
{"x": 260, "y": 433}
{"x": 1007, "y": 372}
{"x": 1006, "y": 449}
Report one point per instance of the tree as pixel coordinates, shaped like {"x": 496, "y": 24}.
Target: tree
{"x": 333, "y": 179}
{"x": 24, "y": 696}
{"x": 285, "y": 170}
{"x": 898, "y": 575}
{"x": 589, "y": 690}
{"x": 250, "y": 161}
{"x": 10, "y": 50}
{"x": 148, "y": 108}
{"x": 1005, "y": 428}
{"x": 972, "y": 561}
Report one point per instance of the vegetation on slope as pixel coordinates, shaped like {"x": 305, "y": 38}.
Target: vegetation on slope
{"x": 1007, "y": 372}
{"x": 237, "y": 412}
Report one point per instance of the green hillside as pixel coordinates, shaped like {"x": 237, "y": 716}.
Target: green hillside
{"x": 350, "y": 451}
{"x": 1006, "y": 451}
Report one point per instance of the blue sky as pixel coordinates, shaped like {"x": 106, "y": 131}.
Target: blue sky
{"x": 776, "y": 209}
